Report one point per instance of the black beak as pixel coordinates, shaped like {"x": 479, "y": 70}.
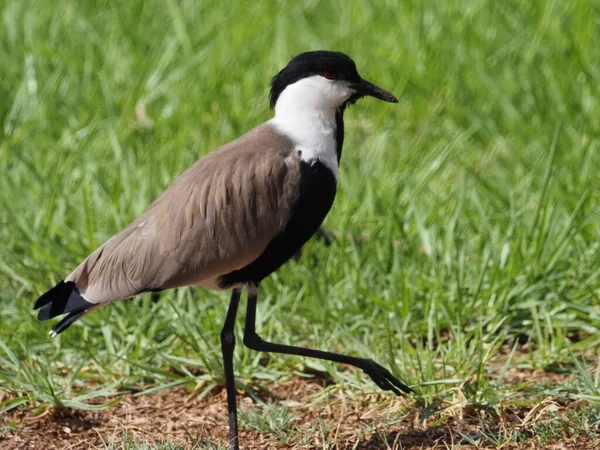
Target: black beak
{"x": 365, "y": 87}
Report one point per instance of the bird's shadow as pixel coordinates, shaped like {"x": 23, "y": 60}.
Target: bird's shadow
{"x": 406, "y": 439}
{"x": 265, "y": 394}
{"x": 75, "y": 420}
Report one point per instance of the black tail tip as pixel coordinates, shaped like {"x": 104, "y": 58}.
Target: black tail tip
{"x": 62, "y": 290}
{"x": 61, "y": 299}
{"x": 66, "y": 322}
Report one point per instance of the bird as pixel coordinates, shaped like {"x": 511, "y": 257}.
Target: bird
{"x": 236, "y": 216}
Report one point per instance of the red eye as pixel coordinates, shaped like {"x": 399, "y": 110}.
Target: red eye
{"x": 328, "y": 74}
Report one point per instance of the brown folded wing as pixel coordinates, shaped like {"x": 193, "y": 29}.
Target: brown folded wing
{"x": 218, "y": 216}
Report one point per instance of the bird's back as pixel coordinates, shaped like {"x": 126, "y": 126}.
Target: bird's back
{"x": 217, "y": 218}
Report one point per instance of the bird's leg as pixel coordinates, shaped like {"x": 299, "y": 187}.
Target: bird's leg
{"x": 227, "y": 346}
{"x": 379, "y": 374}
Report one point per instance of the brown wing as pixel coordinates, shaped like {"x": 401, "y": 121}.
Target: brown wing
{"x": 218, "y": 216}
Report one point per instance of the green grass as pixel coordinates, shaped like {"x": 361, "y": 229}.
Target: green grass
{"x": 479, "y": 191}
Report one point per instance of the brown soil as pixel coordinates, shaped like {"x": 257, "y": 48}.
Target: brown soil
{"x": 320, "y": 418}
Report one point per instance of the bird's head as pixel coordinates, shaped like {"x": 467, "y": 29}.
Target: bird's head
{"x": 322, "y": 80}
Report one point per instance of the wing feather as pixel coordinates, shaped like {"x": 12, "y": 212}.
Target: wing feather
{"x": 218, "y": 216}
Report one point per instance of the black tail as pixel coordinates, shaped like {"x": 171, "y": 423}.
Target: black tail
{"x": 62, "y": 299}
{"x": 66, "y": 322}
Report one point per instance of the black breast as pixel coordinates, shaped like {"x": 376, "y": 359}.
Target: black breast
{"x": 315, "y": 197}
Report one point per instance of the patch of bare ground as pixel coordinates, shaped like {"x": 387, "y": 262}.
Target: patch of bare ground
{"x": 316, "y": 418}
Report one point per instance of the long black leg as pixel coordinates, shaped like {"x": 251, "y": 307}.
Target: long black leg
{"x": 227, "y": 346}
{"x": 379, "y": 374}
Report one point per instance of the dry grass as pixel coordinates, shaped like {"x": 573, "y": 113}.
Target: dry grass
{"x": 316, "y": 415}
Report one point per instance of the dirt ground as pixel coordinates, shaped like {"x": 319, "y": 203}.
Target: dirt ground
{"x": 349, "y": 421}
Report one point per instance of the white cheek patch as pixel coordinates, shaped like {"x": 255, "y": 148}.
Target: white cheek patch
{"x": 305, "y": 112}
{"x": 341, "y": 92}
{"x": 316, "y": 92}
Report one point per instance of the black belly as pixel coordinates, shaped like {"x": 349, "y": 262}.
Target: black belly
{"x": 317, "y": 191}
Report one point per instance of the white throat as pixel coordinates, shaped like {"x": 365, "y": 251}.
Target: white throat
{"x": 305, "y": 112}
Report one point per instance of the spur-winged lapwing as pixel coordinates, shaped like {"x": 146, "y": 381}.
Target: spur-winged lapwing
{"x": 236, "y": 215}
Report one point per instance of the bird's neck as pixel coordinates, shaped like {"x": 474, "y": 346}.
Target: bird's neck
{"x": 314, "y": 131}
{"x": 339, "y": 132}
